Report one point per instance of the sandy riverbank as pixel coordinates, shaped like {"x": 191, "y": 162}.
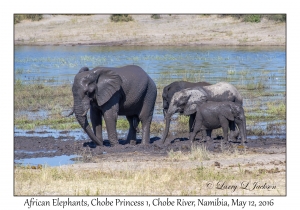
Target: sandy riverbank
{"x": 168, "y": 30}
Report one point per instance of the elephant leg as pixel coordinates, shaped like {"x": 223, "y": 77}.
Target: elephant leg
{"x": 133, "y": 124}
{"x": 146, "y": 113}
{"x": 96, "y": 120}
{"x": 191, "y": 122}
{"x": 146, "y": 123}
{"x": 110, "y": 117}
{"x": 197, "y": 128}
{"x": 207, "y": 134}
{"x": 233, "y": 133}
{"x": 191, "y": 126}
{"x": 224, "y": 123}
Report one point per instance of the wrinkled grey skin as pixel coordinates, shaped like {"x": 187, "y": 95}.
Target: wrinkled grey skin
{"x": 174, "y": 87}
{"x": 185, "y": 101}
{"x": 110, "y": 92}
{"x": 213, "y": 115}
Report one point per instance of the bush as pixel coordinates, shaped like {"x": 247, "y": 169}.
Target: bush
{"x": 121, "y": 18}
{"x": 255, "y": 18}
{"x": 33, "y": 17}
{"x": 155, "y": 16}
{"x": 252, "y": 18}
{"x": 278, "y": 17}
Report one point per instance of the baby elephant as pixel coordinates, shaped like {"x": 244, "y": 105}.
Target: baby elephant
{"x": 213, "y": 115}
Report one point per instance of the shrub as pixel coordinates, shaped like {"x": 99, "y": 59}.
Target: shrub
{"x": 277, "y": 17}
{"x": 121, "y": 18}
{"x": 252, "y": 18}
{"x": 33, "y": 17}
{"x": 155, "y": 16}
{"x": 255, "y": 18}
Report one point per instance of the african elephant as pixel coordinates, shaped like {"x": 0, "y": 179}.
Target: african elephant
{"x": 174, "y": 87}
{"x": 185, "y": 101}
{"x": 110, "y": 92}
{"x": 213, "y": 115}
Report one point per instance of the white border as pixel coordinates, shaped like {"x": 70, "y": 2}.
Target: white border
{"x": 8, "y": 201}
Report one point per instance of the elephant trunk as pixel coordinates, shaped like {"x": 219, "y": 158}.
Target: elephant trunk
{"x": 243, "y": 132}
{"x": 244, "y": 135}
{"x": 81, "y": 117}
{"x": 166, "y": 132}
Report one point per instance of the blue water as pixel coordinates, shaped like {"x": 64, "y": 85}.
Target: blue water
{"x": 50, "y": 161}
{"x": 59, "y": 64}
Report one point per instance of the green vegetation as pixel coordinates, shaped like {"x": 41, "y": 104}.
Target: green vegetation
{"x": 121, "y": 18}
{"x": 40, "y": 96}
{"x": 34, "y": 17}
{"x": 252, "y": 18}
{"x": 275, "y": 108}
{"x": 155, "y": 16}
{"x": 255, "y": 18}
{"x": 58, "y": 122}
{"x": 56, "y": 99}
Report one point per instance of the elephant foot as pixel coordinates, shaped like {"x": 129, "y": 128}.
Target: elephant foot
{"x": 145, "y": 142}
{"x": 234, "y": 135}
{"x": 132, "y": 142}
{"x": 207, "y": 138}
{"x": 90, "y": 144}
{"x": 195, "y": 143}
{"x": 113, "y": 143}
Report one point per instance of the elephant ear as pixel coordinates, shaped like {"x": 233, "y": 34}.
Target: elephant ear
{"x": 192, "y": 108}
{"x": 83, "y": 69}
{"x": 107, "y": 85}
{"x": 227, "y": 112}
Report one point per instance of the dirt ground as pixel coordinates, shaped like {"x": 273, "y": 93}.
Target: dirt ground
{"x": 168, "y": 30}
{"x": 261, "y": 151}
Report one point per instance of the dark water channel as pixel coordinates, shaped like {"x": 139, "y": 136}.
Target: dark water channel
{"x": 245, "y": 67}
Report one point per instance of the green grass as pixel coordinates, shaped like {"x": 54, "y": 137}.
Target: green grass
{"x": 40, "y": 96}
{"x": 56, "y": 99}
{"x": 275, "y": 108}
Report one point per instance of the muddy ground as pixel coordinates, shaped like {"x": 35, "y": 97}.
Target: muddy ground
{"x": 33, "y": 147}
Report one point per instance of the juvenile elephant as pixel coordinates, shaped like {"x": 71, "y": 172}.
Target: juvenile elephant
{"x": 174, "y": 87}
{"x": 185, "y": 101}
{"x": 213, "y": 115}
{"x": 110, "y": 92}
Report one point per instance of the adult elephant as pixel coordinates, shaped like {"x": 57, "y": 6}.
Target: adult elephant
{"x": 110, "y": 92}
{"x": 186, "y": 100}
{"x": 174, "y": 87}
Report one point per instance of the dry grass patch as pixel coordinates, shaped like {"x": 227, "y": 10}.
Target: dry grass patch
{"x": 179, "y": 174}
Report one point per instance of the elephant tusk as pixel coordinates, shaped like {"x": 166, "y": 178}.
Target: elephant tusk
{"x": 85, "y": 113}
{"x": 70, "y": 113}
{"x": 165, "y": 112}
